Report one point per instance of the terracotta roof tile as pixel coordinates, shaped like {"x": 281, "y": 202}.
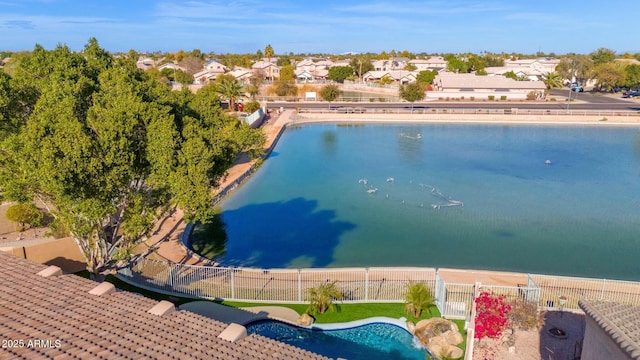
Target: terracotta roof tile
{"x": 111, "y": 326}
{"x": 620, "y": 321}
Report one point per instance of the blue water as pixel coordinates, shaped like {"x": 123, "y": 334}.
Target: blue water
{"x": 372, "y": 341}
{"x": 306, "y": 207}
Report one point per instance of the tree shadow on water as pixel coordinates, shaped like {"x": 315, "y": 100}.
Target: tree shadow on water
{"x": 273, "y": 235}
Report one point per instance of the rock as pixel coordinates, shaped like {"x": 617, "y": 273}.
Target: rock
{"x": 453, "y": 337}
{"x": 455, "y": 352}
{"x": 305, "y": 320}
{"x": 411, "y": 327}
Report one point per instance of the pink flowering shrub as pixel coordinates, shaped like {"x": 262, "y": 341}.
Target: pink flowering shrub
{"x": 491, "y": 315}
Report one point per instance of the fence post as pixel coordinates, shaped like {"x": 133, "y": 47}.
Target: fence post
{"x": 171, "y": 271}
{"x": 233, "y": 290}
{"x": 604, "y": 281}
{"x": 299, "y": 286}
{"x": 366, "y": 284}
{"x": 439, "y": 293}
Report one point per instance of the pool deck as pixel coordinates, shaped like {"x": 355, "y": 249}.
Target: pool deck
{"x": 166, "y": 236}
{"x": 242, "y": 316}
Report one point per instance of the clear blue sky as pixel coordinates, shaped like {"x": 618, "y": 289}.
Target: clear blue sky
{"x": 328, "y": 26}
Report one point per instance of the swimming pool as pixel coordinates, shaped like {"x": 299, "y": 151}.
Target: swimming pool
{"x": 375, "y": 340}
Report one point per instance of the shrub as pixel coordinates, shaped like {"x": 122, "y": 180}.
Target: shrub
{"x": 418, "y": 298}
{"x": 472, "y": 98}
{"x": 251, "y": 106}
{"x": 531, "y": 95}
{"x": 491, "y": 97}
{"x": 525, "y": 315}
{"x": 26, "y": 215}
{"x": 321, "y": 298}
{"x": 491, "y": 318}
{"x": 503, "y": 97}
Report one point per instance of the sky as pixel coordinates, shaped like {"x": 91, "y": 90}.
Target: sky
{"x": 328, "y": 26}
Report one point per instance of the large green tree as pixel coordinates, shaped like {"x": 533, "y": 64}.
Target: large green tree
{"x": 552, "y": 80}
{"x": 329, "y": 93}
{"x": 110, "y": 150}
{"x": 231, "y": 90}
{"x": 412, "y": 92}
{"x": 340, "y": 73}
{"x": 361, "y": 65}
{"x": 425, "y": 77}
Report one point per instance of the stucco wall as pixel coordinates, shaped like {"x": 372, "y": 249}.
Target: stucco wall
{"x": 63, "y": 253}
{"x": 598, "y": 345}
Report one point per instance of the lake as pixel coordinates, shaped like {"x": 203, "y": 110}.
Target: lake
{"x": 540, "y": 199}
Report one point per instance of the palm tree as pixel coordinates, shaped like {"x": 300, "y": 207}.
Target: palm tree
{"x": 321, "y": 298}
{"x": 231, "y": 90}
{"x": 552, "y": 80}
{"x": 418, "y": 298}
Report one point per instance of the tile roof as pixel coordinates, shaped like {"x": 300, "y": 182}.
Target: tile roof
{"x": 70, "y": 323}
{"x": 620, "y": 321}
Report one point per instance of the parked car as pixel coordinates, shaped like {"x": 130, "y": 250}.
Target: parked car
{"x": 631, "y": 93}
{"x": 577, "y": 88}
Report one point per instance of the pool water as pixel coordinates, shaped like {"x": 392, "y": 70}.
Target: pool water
{"x": 366, "y": 342}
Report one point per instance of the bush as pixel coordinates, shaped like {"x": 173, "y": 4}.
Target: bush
{"x": 251, "y": 106}
{"x": 26, "y": 215}
{"x": 491, "y": 97}
{"x": 531, "y": 95}
{"x": 491, "y": 317}
{"x": 321, "y": 298}
{"x": 503, "y": 97}
{"x": 524, "y": 315}
{"x": 472, "y": 98}
{"x": 418, "y": 298}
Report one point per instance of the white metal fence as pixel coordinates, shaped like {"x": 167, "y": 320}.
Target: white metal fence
{"x": 364, "y": 285}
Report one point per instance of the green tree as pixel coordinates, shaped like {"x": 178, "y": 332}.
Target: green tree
{"x": 410, "y": 67}
{"x": 268, "y": 52}
{"x": 361, "y": 65}
{"x": 425, "y": 77}
{"x": 113, "y": 152}
{"x": 511, "y": 75}
{"x": 609, "y": 75}
{"x": 251, "y": 106}
{"x": 340, "y": 73}
{"x": 183, "y": 77}
{"x": 412, "y": 92}
{"x": 285, "y": 88}
{"x": 552, "y": 80}
{"x": 25, "y": 214}
{"x": 231, "y": 90}
{"x": 322, "y": 298}
{"x": 283, "y": 60}
{"x": 418, "y": 298}
{"x": 287, "y": 73}
{"x": 386, "y": 80}
{"x": 632, "y": 75}
{"x": 329, "y": 93}
{"x": 603, "y": 56}
{"x": 456, "y": 65}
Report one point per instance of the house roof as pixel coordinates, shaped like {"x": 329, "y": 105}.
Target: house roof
{"x": 620, "y": 321}
{"x": 470, "y": 81}
{"x": 393, "y": 74}
{"x": 262, "y": 65}
{"x": 72, "y": 319}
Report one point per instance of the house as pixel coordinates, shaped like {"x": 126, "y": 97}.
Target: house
{"x": 433, "y": 63}
{"x": 172, "y": 66}
{"x": 398, "y": 76}
{"x": 204, "y": 76}
{"x": 612, "y": 330}
{"x": 543, "y": 65}
{"x": 241, "y": 74}
{"x": 214, "y": 66}
{"x": 524, "y": 72}
{"x": 266, "y": 69}
{"x": 308, "y": 70}
{"x": 145, "y": 63}
{"x": 389, "y": 65}
{"x": 47, "y": 314}
{"x": 452, "y": 85}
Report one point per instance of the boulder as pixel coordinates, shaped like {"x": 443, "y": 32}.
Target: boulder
{"x": 440, "y": 337}
{"x": 411, "y": 327}
{"x": 305, "y": 320}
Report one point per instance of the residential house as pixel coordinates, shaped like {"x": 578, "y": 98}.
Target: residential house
{"x": 433, "y": 63}
{"x": 172, "y": 66}
{"x": 452, "y": 85}
{"x": 145, "y": 63}
{"x": 400, "y": 77}
{"x": 612, "y": 330}
{"x": 266, "y": 69}
{"x": 241, "y": 74}
{"x": 521, "y": 72}
{"x": 542, "y": 65}
{"x": 390, "y": 64}
{"x": 308, "y": 70}
{"x": 47, "y": 314}
{"x": 215, "y": 66}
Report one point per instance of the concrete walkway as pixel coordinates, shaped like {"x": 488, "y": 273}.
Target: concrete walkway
{"x": 241, "y": 316}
